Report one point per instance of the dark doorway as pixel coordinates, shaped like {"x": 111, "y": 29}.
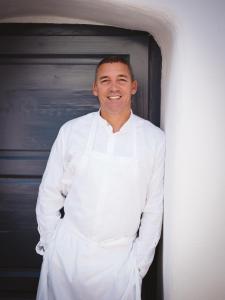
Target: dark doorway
{"x": 45, "y": 79}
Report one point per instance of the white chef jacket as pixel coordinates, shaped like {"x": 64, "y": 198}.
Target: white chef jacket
{"x": 57, "y": 181}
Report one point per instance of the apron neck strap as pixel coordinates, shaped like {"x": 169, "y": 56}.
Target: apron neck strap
{"x": 92, "y": 133}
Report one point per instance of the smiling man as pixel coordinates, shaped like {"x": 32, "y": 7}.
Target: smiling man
{"x": 106, "y": 169}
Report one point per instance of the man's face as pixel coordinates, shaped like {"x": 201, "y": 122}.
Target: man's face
{"x": 114, "y": 87}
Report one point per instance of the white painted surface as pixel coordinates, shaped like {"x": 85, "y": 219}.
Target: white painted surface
{"x": 191, "y": 37}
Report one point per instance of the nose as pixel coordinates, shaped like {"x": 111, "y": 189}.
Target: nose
{"x": 114, "y": 87}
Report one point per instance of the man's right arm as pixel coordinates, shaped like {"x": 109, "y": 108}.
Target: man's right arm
{"x": 50, "y": 198}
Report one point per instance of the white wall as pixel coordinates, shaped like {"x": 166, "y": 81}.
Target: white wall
{"x": 192, "y": 40}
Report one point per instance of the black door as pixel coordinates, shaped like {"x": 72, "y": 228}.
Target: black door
{"x": 46, "y": 74}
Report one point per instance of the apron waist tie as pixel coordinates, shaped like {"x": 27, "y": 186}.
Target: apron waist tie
{"x": 112, "y": 242}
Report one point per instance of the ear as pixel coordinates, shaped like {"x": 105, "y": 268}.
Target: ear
{"x": 134, "y": 87}
{"x": 94, "y": 89}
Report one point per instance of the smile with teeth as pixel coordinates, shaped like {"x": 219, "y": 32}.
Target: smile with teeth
{"x": 117, "y": 97}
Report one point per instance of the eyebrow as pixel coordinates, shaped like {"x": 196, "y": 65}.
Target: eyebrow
{"x": 122, "y": 75}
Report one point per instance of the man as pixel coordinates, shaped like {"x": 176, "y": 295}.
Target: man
{"x": 106, "y": 170}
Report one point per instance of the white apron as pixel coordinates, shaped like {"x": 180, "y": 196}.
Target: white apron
{"x": 86, "y": 258}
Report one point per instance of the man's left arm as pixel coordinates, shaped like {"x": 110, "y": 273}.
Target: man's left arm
{"x": 151, "y": 221}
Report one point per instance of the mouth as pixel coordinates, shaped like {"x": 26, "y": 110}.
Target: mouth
{"x": 116, "y": 97}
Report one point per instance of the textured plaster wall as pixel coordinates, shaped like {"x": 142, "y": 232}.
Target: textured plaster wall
{"x": 191, "y": 37}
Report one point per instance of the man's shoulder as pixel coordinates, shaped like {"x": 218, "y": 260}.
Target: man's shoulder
{"x": 79, "y": 122}
{"x": 148, "y": 128}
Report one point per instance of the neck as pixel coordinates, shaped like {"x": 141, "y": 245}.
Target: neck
{"x": 116, "y": 120}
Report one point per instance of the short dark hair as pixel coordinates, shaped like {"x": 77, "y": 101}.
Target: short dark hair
{"x": 115, "y": 59}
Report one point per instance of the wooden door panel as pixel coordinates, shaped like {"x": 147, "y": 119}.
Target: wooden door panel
{"x": 38, "y": 98}
{"x": 18, "y": 224}
{"x": 14, "y": 164}
{"x": 134, "y": 46}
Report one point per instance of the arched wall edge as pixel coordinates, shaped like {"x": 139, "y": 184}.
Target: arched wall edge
{"x": 165, "y": 34}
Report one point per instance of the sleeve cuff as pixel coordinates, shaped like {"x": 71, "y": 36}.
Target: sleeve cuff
{"x": 143, "y": 260}
{"x": 40, "y": 249}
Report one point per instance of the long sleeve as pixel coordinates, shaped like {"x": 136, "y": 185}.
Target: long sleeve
{"x": 50, "y": 198}
{"x": 151, "y": 221}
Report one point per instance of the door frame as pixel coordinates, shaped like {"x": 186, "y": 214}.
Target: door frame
{"x": 151, "y": 104}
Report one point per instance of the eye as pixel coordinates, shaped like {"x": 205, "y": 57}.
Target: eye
{"x": 104, "y": 81}
{"x": 122, "y": 80}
